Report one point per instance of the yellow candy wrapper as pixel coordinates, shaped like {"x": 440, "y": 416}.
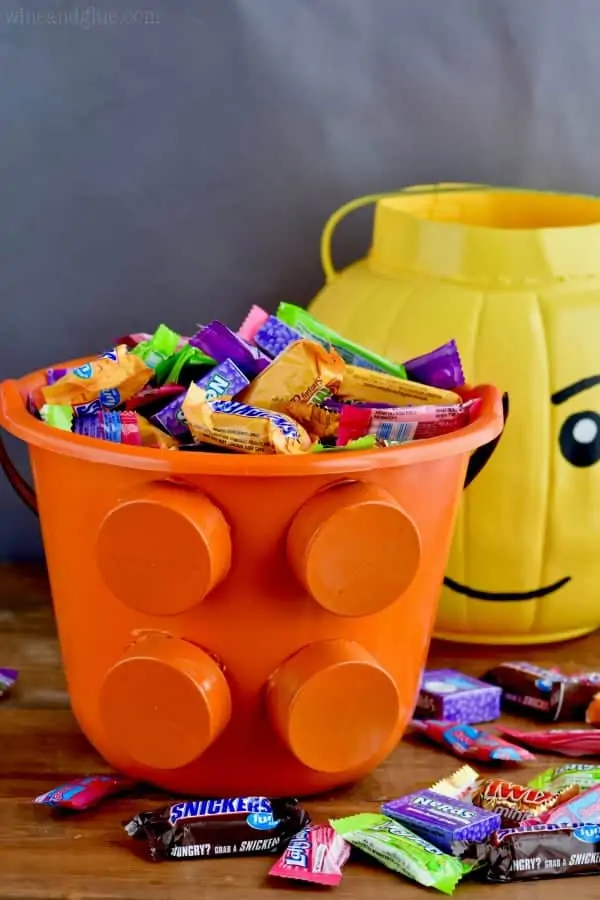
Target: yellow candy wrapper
{"x": 367, "y": 386}
{"x": 102, "y": 383}
{"x": 240, "y": 427}
{"x": 319, "y": 422}
{"x": 305, "y": 371}
{"x": 151, "y": 436}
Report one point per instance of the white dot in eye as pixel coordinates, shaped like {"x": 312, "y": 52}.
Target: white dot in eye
{"x": 585, "y": 431}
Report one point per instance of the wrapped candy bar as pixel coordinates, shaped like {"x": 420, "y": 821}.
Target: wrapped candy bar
{"x": 104, "y": 382}
{"x": 537, "y": 851}
{"x": 567, "y": 742}
{"x": 118, "y": 427}
{"x": 7, "y": 679}
{"x": 400, "y": 850}
{"x": 159, "y": 347}
{"x": 253, "y": 322}
{"x": 515, "y": 802}
{"x": 240, "y": 427}
{"x": 225, "y": 380}
{"x": 548, "y": 693}
{"x": 367, "y": 386}
{"x": 315, "y": 855}
{"x": 219, "y": 342}
{"x": 561, "y": 777}
{"x": 85, "y": 792}
{"x": 446, "y": 694}
{"x": 470, "y": 742}
{"x": 202, "y": 829}
{"x": 304, "y": 324}
{"x": 439, "y": 368}
{"x": 305, "y": 371}
{"x": 151, "y": 396}
{"x": 580, "y": 806}
{"x": 442, "y": 820}
{"x": 401, "y": 424}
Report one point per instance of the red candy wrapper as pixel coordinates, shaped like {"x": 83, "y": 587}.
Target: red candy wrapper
{"x": 149, "y": 396}
{"x": 316, "y": 854}
{"x": 568, "y": 742}
{"x": 469, "y": 742}
{"x": 84, "y": 792}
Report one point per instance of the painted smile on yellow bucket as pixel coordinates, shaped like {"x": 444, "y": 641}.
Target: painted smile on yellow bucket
{"x": 579, "y": 442}
{"x": 509, "y": 595}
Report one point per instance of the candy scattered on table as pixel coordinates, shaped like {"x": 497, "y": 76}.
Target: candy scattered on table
{"x": 316, "y": 855}
{"x": 549, "y": 693}
{"x": 165, "y": 391}
{"x": 470, "y": 742}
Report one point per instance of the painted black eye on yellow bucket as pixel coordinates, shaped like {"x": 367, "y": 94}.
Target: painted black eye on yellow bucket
{"x": 579, "y": 439}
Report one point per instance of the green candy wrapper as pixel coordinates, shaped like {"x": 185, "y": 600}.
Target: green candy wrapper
{"x": 159, "y": 347}
{"x": 400, "y": 850}
{"x": 169, "y": 371}
{"x": 57, "y": 415}
{"x": 351, "y": 353}
{"x": 561, "y": 777}
{"x": 363, "y": 443}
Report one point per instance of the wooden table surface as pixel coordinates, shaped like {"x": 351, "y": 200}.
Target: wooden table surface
{"x": 43, "y": 855}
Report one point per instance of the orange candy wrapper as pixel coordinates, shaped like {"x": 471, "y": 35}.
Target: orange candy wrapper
{"x": 240, "y": 427}
{"x": 305, "y": 371}
{"x": 102, "y": 383}
{"x": 319, "y": 422}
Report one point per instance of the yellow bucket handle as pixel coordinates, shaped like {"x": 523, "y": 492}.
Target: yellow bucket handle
{"x": 334, "y": 220}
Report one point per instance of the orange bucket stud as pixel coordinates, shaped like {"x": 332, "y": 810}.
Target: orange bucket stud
{"x": 243, "y": 625}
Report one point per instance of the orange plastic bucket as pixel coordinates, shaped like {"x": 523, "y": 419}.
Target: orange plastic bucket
{"x": 244, "y": 625}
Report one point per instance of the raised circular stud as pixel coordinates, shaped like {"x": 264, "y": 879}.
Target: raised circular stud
{"x": 354, "y": 549}
{"x": 333, "y": 705}
{"x": 163, "y": 549}
{"x": 165, "y": 702}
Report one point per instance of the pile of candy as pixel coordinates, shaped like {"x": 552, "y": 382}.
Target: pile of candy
{"x": 466, "y": 823}
{"x": 283, "y": 384}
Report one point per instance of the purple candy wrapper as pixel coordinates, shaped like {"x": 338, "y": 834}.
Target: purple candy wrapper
{"x": 440, "y": 368}
{"x": 454, "y": 697}
{"x": 442, "y": 820}
{"x": 219, "y": 342}
{"x": 274, "y": 336}
{"x": 225, "y": 380}
{"x": 54, "y": 375}
{"x": 7, "y": 679}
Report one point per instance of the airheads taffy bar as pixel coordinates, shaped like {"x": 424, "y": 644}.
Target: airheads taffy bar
{"x": 565, "y": 741}
{"x": 202, "y": 829}
{"x": 315, "y": 855}
{"x": 402, "y": 851}
{"x": 85, "y": 792}
{"x": 470, "y": 742}
{"x": 398, "y": 425}
{"x": 379, "y": 387}
{"x": 240, "y": 427}
{"x": 102, "y": 383}
{"x": 303, "y": 324}
{"x": 117, "y": 427}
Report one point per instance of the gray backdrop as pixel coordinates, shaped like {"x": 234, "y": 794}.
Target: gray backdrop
{"x": 175, "y": 159}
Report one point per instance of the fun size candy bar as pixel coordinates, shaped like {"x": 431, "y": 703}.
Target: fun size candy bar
{"x": 515, "y": 802}
{"x": 469, "y": 742}
{"x": 442, "y": 820}
{"x": 201, "y": 829}
{"x": 446, "y": 694}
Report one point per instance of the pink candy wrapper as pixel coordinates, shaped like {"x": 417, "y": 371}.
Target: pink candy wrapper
{"x": 316, "y": 854}
{"x": 585, "y": 807}
{"x": 149, "y": 396}
{"x": 440, "y": 368}
{"x": 85, "y": 792}
{"x": 252, "y": 324}
{"x": 471, "y": 743}
{"x": 567, "y": 742}
{"x": 400, "y": 424}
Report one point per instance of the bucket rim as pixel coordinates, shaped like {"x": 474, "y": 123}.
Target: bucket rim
{"x": 18, "y": 421}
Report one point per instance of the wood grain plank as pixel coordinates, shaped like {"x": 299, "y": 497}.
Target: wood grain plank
{"x": 48, "y": 856}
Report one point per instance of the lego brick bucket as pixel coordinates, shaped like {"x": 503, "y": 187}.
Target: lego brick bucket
{"x": 244, "y": 625}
